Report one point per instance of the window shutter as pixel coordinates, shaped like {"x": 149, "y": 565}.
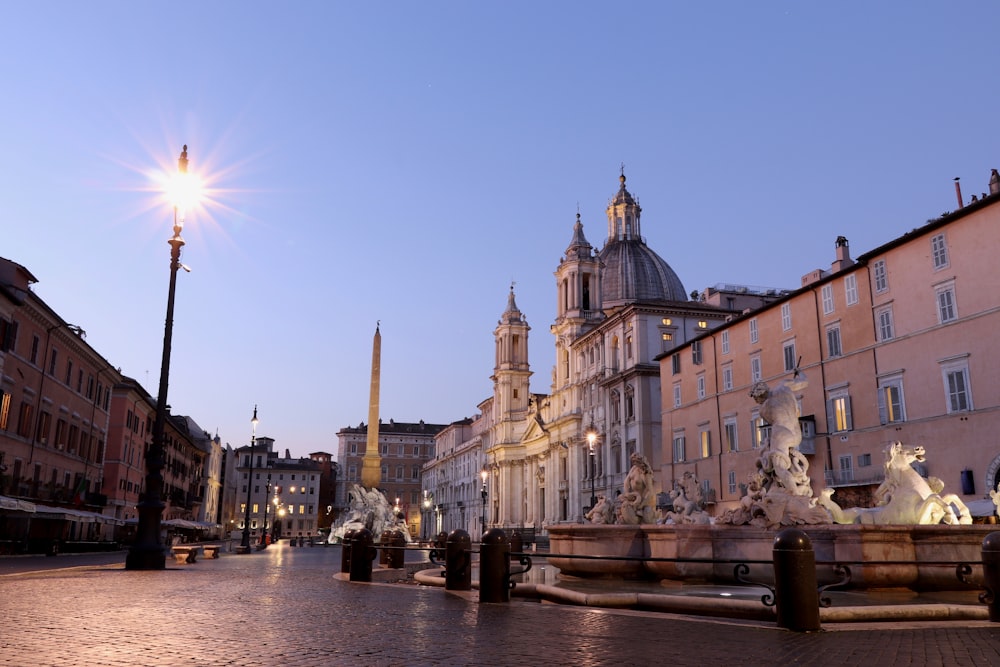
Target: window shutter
{"x": 883, "y": 416}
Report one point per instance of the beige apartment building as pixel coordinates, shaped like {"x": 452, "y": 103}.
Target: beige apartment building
{"x": 896, "y": 345}
{"x": 404, "y": 448}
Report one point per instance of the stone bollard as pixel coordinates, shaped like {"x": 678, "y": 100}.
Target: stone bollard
{"x": 991, "y": 574}
{"x": 795, "y": 589}
{"x": 383, "y": 542}
{"x": 494, "y": 567}
{"x": 345, "y": 550}
{"x": 441, "y": 541}
{"x": 516, "y": 543}
{"x": 458, "y": 561}
{"x": 363, "y": 552}
{"x": 397, "y": 543}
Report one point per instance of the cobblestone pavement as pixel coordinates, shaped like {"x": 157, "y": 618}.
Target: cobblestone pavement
{"x": 283, "y": 607}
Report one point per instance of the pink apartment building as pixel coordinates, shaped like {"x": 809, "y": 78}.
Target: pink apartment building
{"x": 896, "y": 345}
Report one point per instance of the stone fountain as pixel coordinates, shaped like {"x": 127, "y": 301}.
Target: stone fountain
{"x": 904, "y": 541}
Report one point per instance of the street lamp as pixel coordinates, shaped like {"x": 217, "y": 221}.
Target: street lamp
{"x": 427, "y": 512}
{"x": 245, "y": 544}
{"x": 267, "y": 495}
{"x": 147, "y": 552}
{"x": 484, "y": 474}
{"x": 591, "y": 439}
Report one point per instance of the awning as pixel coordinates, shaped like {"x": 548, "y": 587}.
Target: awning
{"x": 981, "y": 507}
{"x": 193, "y": 525}
{"x": 15, "y": 505}
{"x": 70, "y": 514}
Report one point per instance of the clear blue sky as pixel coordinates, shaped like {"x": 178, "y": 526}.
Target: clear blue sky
{"x": 405, "y": 161}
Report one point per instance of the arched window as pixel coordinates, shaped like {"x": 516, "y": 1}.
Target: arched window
{"x": 629, "y": 403}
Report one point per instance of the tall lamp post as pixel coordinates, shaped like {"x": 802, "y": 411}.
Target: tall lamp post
{"x": 245, "y": 544}
{"x": 427, "y": 513}
{"x": 267, "y": 498}
{"x": 591, "y": 439}
{"x": 147, "y": 552}
{"x": 484, "y": 474}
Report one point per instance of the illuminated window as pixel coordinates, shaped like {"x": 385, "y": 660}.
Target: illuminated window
{"x": 666, "y": 321}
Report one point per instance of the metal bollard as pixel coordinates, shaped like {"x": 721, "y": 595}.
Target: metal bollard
{"x": 345, "y": 550}
{"x": 796, "y": 594}
{"x": 458, "y": 561}
{"x": 397, "y": 542}
{"x": 516, "y": 543}
{"x": 363, "y": 552}
{"x": 991, "y": 574}
{"x": 494, "y": 567}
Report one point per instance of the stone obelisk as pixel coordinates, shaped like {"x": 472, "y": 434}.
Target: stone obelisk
{"x": 371, "y": 467}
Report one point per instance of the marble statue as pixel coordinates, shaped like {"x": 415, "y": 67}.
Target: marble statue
{"x": 688, "y": 502}
{"x": 601, "y": 512}
{"x": 370, "y": 509}
{"x": 781, "y": 491}
{"x": 637, "y": 504}
{"x": 995, "y": 494}
{"x": 782, "y": 463}
{"x": 904, "y": 498}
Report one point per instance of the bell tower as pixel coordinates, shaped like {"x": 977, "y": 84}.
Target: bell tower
{"x": 511, "y": 371}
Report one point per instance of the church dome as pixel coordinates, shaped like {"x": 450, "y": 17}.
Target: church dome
{"x": 631, "y": 270}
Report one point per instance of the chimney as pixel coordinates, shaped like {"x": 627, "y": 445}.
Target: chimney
{"x": 288, "y": 454}
{"x": 994, "y": 182}
{"x": 958, "y": 192}
{"x": 843, "y": 255}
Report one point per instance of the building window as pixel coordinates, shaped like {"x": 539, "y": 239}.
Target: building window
{"x": 885, "y": 325}
{"x": 838, "y": 412}
{"x": 705, "y": 442}
{"x": 956, "y": 385}
{"x": 677, "y": 395}
{"x": 833, "y": 348}
{"x": 727, "y": 378}
{"x": 753, "y": 330}
{"x": 701, "y": 387}
{"x": 786, "y": 316}
{"x": 851, "y": 289}
{"x": 864, "y": 460}
{"x": 788, "y": 351}
{"x": 947, "y": 310}
{"x": 675, "y": 364}
{"x": 732, "y": 481}
{"x": 827, "y": 296}
{"x": 725, "y": 341}
{"x": 628, "y": 346}
{"x": 881, "y": 277}
{"x": 668, "y": 337}
{"x": 755, "y": 373}
{"x": 52, "y": 362}
{"x": 666, "y": 321}
{"x": 760, "y": 430}
{"x": 615, "y": 407}
{"x": 629, "y": 403}
{"x": 846, "y": 472}
{"x": 702, "y": 324}
{"x": 678, "y": 445}
{"x": 939, "y": 251}
{"x": 890, "y": 400}
{"x": 696, "y": 352}
{"x": 732, "y": 441}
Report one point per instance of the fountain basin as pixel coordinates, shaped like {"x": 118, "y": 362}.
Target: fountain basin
{"x": 920, "y": 558}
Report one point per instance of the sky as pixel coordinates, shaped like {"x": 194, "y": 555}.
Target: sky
{"x": 403, "y": 163}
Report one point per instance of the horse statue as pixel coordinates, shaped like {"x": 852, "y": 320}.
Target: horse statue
{"x": 904, "y": 498}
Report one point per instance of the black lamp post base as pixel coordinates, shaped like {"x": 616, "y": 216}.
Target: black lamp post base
{"x": 145, "y": 558}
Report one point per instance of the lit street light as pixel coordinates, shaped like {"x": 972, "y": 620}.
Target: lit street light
{"x": 245, "y": 544}
{"x": 147, "y": 552}
{"x": 591, "y": 439}
{"x": 484, "y": 474}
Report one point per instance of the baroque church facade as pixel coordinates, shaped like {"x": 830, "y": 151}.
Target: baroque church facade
{"x": 620, "y": 306}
